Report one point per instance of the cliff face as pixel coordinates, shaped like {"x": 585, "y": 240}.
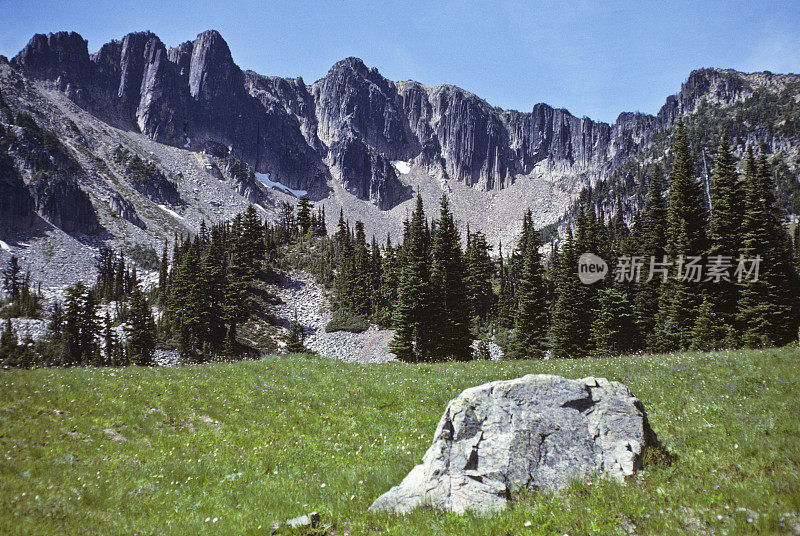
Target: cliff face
{"x": 352, "y": 125}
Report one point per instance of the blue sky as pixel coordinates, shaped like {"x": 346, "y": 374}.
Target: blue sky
{"x": 594, "y": 58}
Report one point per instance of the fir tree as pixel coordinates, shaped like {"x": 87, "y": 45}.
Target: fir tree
{"x": 112, "y": 350}
{"x": 295, "y": 337}
{"x": 140, "y": 331}
{"x": 709, "y": 331}
{"x": 304, "y": 215}
{"x": 80, "y": 326}
{"x": 387, "y": 286}
{"x": 530, "y": 329}
{"x": 506, "y": 303}
{"x": 185, "y": 303}
{"x": 163, "y": 277}
{"x": 212, "y": 294}
{"x": 412, "y": 314}
{"x": 449, "y": 329}
{"x": 685, "y": 233}
{"x": 725, "y": 235}
{"x": 767, "y": 308}
{"x": 614, "y": 328}
{"x": 479, "y": 272}
{"x": 11, "y": 279}
{"x": 8, "y": 342}
{"x": 569, "y": 330}
{"x": 650, "y": 246}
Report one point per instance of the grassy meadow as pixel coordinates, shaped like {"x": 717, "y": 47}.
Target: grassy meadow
{"x": 231, "y": 448}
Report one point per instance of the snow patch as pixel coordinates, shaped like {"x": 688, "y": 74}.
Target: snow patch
{"x": 188, "y": 142}
{"x": 401, "y": 166}
{"x": 171, "y": 212}
{"x": 4, "y": 246}
{"x": 264, "y": 178}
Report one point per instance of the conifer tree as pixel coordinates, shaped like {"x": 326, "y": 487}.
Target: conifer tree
{"x": 450, "y": 335}
{"x": 709, "y": 331}
{"x": 412, "y": 313}
{"x": 304, "y": 215}
{"x": 185, "y": 303}
{"x": 685, "y": 233}
{"x": 614, "y": 329}
{"x": 619, "y": 233}
{"x": 589, "y": 239}
{"x": 387, "y": 286}
{"x": 796, "y": 242}
{"x": 478, "y": 280}
{"x": 110, "y": 339}
{"x": 650, "y": 245}
{"x": 249, "y": 243}
{"x": 163, "y": 277}
{"x": 506, "y": 302}
{"x": 8, "y": 340}
{"x": 11, "y": 279}
{"x": 359, "y": 300}
{"x": 725, "y": 235}
{"x": 569, "y": 330}
{"x": 212, "y": 295}
{"x": 294, "y": 339}
{"x": 140, "y": 331}
{"x": 120, "y": 278}
{"x": 767, "y": 308}
{"x": 530, "y": 329}
{"x": 237, "y": 303}
{"x": 80, "y": 326}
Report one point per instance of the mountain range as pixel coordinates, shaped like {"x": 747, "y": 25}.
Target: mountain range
{"x": 136, "y": 141}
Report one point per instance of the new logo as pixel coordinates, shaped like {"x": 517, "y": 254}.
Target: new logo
{"x": 591, "y": 268}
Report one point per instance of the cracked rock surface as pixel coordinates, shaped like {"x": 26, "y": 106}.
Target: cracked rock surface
{"x": 537, "y": 432}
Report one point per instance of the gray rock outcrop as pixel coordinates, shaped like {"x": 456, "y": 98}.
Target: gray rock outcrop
{"x": 351, "y": 124}
{"x": 537, "y": 432}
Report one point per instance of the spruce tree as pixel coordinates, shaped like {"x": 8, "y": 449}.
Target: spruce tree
{"x": 12, "y": 280}
{"x": 411, "y": 341}
{"x": 506, "y": 302}
{"x": 478, "y": 279}
{"x": 295, "y": 337}
{"x": 111, "y": 343}
{"x": 387, "y": 286}
{"x": 212, "y": 294}
{"x": 709, "y": 330}
{"x": 304, "y": 215}
{"x": 80, "y": 326}
{"x": 530, "y": 328}
{"x": 569, "y": 330}
{"x": 614, "y": 329}
{"x": 725, "y": 235}
{"x": 163, "y": 277}
{"x": 651, "y": 244}
{"x": 767, "y": 308}
{"x": 685, "y": 233}
{"x": 449, "y": 328}
{"x": 140, "y": 331}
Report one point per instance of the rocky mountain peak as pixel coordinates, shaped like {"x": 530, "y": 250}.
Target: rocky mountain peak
{"x": 353, "y": 128}
{"x": 61, "y": 57}
{"x": 212, "y": 68}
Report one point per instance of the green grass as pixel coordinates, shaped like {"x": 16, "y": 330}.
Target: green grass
{"x": 252, "y": 443}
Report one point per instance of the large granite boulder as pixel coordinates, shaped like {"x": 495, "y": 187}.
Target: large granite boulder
{"x": 537, "y": 432}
